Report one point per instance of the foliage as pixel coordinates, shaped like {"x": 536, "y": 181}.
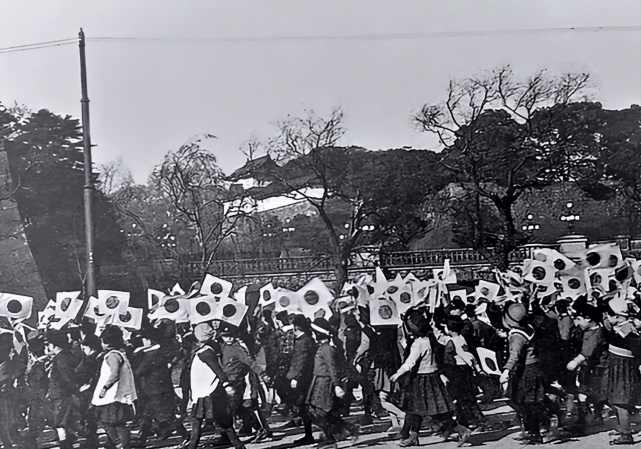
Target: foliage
{"x": 196, "y": 188}
{"x": 45, "y": 152}
{"x": 503, "y": 137}
{"x": 360, "y": 197}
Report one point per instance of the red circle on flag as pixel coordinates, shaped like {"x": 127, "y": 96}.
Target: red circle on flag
{"x": 112, "y": 302}
{"x": 14, "y": 306}
{"x": 172, "y": 305}
{"x": 203, "y": 308}
{"x": 538, "y": 273}
{"x": 267, "y": 295}
{"x": 490, "y": 364}
{"x": 385, "y": 312}
{"x": 125, "y": 318}
{"x": 216, "y": 288}
{"x": 64, "y": 305}
{"x": 392, "y": 289}
{"x": 229, "y": 310}
{"x": 574, "y": 283}
{"x": 593, "y": 258}
{"x": 406, "y": 298}
{"x": 284, "y": 301}
{"x": 559, "y": 264}
{"x": 311, "y": 297}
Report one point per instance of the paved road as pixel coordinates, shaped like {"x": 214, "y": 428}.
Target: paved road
{"x": 500, "y": 434}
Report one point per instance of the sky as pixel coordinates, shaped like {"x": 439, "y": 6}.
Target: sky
{"x": 162, "y": 71}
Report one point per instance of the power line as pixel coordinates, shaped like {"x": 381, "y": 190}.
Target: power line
{"x": 388, "y": 36}
{"x": 39, "y": 45}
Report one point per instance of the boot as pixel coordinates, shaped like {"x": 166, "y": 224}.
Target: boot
{"x": 412, "y": 440}
{"x": 623, "y": 438}
{"x": 463, "y": 434}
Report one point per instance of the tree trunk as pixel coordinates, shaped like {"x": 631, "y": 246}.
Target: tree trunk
{"x": 340, "y": 263}
{"x": 508, "y": 242}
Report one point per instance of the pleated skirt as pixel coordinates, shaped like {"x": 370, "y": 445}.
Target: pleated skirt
{"x": 426, "y": 395}
{"x": 623, "y": 380}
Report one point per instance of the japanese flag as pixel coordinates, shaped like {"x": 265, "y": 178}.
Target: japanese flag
{"x": 488, "y": 360}
{"x": 68, "y": 304}
{"x": 345, "y": 303}
{"x": 93, "y": 311}
{"x": 174, "y": 308}
{"x": 383, "y": 312}
{"x": 599, "y": 278}
{"x": 286, "y": 300}
{"x": 445, "y": 274}
{"x": 602, "y": 256}
{"x": 202, "y": 308}
{"x": 267, "y": 295}
{"x": 573, "y": 284}
{"x": 540, "y": 273}
{"x": 131, "y": 319}
{"x": 155, "y": 298}
{"x": 485, "y": 289}
{"x": 404, "y": 298}
{"x": 421, "y": 290}
{"x": 554, "y": 258}
{"x": 213, "y": 286}
{"x": 177, "y": 290}
{"x": 58, "y": 323}
{"x": 314, "y": 299}
{"x": 45, "y": 317}
{"x": 362, "y": 294}
{"x": 411, "y": 278}
{"x": 15, "y": 306}
{"x": 230, "y": 311}
{"x": 379, "y": 276}
{"x": 111, "y": 302}
{"x": 460, "y": 294}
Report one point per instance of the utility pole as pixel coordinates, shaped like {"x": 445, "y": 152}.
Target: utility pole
{"x": 90, "y": 285}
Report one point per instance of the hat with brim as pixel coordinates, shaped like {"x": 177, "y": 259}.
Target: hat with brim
{"x": 321, "y": 327}
{"x": 514, "y": 315}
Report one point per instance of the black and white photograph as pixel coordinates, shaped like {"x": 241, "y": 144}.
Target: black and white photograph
{"x": 320, "y": 224}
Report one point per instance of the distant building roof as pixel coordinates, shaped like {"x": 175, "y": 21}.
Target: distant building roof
{"x": 261, "y": 168}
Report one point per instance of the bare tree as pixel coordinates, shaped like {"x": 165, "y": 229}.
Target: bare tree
{"x": 197, "y": 189}
{"x": 114, "y": 176}
{"x": 320, "y": 173}
{"x": 501, "y": 138}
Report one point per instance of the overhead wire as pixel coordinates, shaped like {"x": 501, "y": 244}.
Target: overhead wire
{"x": 383, "y": 36}
{"x": 372, "y": 37}
{"x": 39, "y": 45}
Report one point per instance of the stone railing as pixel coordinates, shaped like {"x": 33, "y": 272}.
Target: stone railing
{"x": 436, "y": 257}
{"x": 235, "y": 267}
{"x": 425, "y": 259}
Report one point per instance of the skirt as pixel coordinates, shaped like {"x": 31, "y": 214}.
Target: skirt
{"x": 160, "y": 407}
{"x": 593, "y": 383}
{"x": 426, "y": 395}
{"x": 115, "y": 414}
{"x": 214, "y": 407}
{"x": 321, "y": 394}
{"x": 623, "y": 381}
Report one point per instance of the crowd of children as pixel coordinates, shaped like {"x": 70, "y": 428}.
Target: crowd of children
{"x": 559, "y": 359}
